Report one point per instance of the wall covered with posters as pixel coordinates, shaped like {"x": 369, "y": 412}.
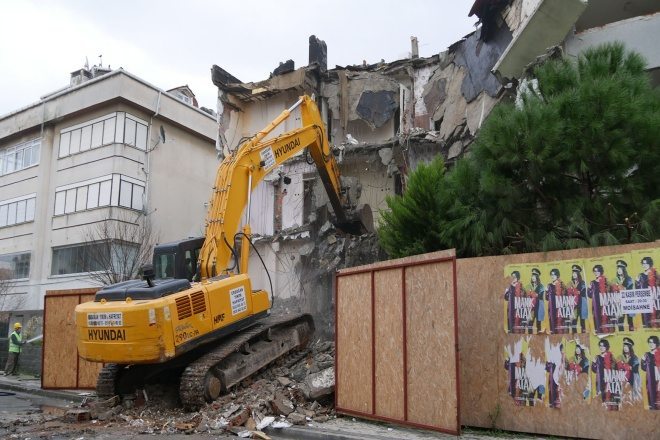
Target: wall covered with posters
{"x": 562, "y": 343}
{"x": 608, "y": 311}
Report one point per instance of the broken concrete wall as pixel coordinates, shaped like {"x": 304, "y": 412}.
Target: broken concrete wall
{"x": 363, "y": 104}
{"x": 517, "y": 12}
{"x": 397, "y": 114}
{"x": 262, "y": 211}
{"x": 370, "y": 168}
{"x": 293, "y": 197}
{"x": 282, "y": 258}
{"x": 245, "y": 108}
{"x": 426, "y": 94}
{"x": 254, "y": 116}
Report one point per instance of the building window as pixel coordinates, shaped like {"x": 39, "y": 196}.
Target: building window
{"x": 19, "y": 157}
{"x": 93, "y": 257}
{"x": 110, "y": 190}
{"x": 78, "y": 258}
{"x": 119, "y": 127}
{"x": 15, "y": 266}
{"x": 130, "y": 194}
{"x": 182, "y": 97}
{"x": 17, "y": 210}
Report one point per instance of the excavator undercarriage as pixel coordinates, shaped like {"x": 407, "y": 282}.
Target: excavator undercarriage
{"x": 204, "y": 374}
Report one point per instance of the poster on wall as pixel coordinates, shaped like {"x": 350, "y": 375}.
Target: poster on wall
{"x": 605, "y": 294}
{"x": 650, "y": 363}
{"x": 625, "y": 370}
{"x": 567, "y": 367}
{"x": 564, "y": 296}
{"x": 546, "y": 372}
{"x": 519, "y": 302}
{"x": 526, "y": 378}
{"x": 611, "y": 294}
{"x": 538, "y": 299}
{"x": 600, "y": 321}
{"x": 577, "y": 289}
{"x": 646, "y": 298}
{"x": 555, "y": 366}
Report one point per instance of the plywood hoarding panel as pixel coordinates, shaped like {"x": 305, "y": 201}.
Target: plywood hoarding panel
{"x": 407, "y": 261}
{"x": 388, "y": 307}
{"x": 60, "y": 356}
{"x": 479, "y": 325}
{"x": 432, "y": 386}
{"x": 88, "y": 371}
{"x": 354, "y": 343}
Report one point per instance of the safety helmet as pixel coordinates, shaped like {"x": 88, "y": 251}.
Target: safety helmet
{"x": 17, "y": 326}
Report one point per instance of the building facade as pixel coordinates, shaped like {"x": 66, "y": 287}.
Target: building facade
{"x": 110, "y": 148}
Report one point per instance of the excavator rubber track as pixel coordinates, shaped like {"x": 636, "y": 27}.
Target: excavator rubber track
{"x": 242, "y": 355}
{"x": 105, "y": 384}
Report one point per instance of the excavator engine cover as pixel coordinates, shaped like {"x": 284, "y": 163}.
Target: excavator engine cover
{"x": 138, "y": 289}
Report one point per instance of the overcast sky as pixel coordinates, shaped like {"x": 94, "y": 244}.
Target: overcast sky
{"x": 171, "y": 43}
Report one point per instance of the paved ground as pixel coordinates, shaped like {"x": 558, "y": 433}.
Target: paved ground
{"x": 27, "y": 411}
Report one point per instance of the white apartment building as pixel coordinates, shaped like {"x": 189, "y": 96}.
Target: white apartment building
{"x": 109, "y": 147}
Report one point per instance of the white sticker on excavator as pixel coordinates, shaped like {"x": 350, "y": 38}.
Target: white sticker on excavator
{"x": 238, "y": 302}
{"x": 115, "y": 319}
{"x": 268, "y": 158}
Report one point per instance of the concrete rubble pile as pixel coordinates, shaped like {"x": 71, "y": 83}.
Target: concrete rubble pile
{"x": 295, "y": 390}
{"x": 332, "y": 251}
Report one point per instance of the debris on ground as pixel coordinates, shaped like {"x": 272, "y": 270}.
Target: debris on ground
{"x": 294, "y": 390}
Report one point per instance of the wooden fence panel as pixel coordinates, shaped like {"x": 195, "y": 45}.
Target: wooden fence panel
{"x": 355, "y": 390}
{"x": 62, "y": 368}
{"x": 388, "y": 306}
{"x": 396, "y": 342}
{"x": 60, "y": 362}
{"x": 432, "y": 396}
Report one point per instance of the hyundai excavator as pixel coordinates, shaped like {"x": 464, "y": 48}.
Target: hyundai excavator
{"x": 211, "y": 332}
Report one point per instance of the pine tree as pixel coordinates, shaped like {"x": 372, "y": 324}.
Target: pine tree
{"x": 410, "y": 225}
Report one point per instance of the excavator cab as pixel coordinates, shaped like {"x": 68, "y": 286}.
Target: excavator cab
{"x": 177, "y": 259}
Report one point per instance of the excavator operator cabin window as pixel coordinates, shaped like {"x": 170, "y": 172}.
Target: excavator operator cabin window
{"x": 164, "y": 265}
{"x": 190, "y": 262}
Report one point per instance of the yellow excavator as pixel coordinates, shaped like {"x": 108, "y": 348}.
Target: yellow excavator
{"x": 203, "y": 326}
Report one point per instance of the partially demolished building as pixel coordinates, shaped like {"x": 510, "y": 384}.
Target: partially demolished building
{"x": 386, "y": 118}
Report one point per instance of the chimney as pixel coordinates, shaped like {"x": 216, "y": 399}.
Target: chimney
{"x": 318, "y": 53}
{"x": 80, "y": 76}
{"x": 100, "y": 70}
{"x": 415, "y": 47}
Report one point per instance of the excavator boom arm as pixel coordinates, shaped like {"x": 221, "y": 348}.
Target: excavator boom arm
{"x": 241, "y": 172}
